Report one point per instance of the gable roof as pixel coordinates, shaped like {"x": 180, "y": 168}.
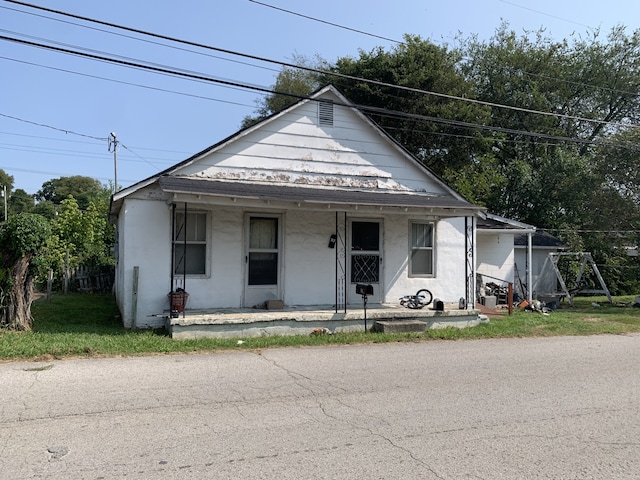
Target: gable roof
{"x": 177, "y": 179}
{"x": 540, "y": 239}
{"x": 336, "y": 196}
{"x": 497, "y": 224}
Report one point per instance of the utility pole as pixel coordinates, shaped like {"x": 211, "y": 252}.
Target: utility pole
{"x": 113, "y": 142}
{"x": 4, "y": 196}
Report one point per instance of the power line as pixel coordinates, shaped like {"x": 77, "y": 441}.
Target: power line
{"x": 110, "y": 32}
{"x": 89, "y": 143}
{"x": 142, "y": 158}
{"x": 69, "y": 132}
{"x": 197, "y": 76}
{"x": 571, "y": 82}
{"x": 546, "y": 14}
{"x": 362, "y": 32}
{"x": 319, "y": 71}
{"x": 44, "y": 172}
{"x": 122, "y": 82}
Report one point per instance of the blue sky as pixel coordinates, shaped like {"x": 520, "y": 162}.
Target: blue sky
{"x": 57, "y": 110}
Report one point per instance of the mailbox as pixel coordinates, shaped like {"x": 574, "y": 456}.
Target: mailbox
{"x": 364, "y": 290}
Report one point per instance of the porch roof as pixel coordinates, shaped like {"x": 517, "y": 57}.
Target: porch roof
{"x": 311, "y": 195}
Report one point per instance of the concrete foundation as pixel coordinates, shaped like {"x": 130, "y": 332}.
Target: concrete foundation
{"x": 238, "y": 323}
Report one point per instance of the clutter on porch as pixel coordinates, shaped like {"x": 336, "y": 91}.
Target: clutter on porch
{"x": 495, "y": 294}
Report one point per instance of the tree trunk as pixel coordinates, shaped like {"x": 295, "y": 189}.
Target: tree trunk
{"x": 16, "y": 314}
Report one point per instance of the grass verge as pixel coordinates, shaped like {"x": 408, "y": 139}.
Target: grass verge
{"x": 82, "y": 325}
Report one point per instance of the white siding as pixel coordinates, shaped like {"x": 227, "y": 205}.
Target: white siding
{"x": 149, "y": 248}
{"x": 294, "y": 149}
{"x": 308, "y": 264}
{"x": 449, "y": 281}
{"x": 496, "y": 256}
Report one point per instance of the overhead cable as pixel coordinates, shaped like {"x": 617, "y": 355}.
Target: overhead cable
{"x": 70, "y": 132}
{"x": 365, "y": 108}
{"x": 319, "y": 71}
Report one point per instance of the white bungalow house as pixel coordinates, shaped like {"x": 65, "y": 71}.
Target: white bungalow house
{"x": 291, "y": 214}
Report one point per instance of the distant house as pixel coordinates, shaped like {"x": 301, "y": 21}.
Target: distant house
{"x": 293, "y": 212}
{"x": 497, "y": 260}
{"x": 542, "y": 243}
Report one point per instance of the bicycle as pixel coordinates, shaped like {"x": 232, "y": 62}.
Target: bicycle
{"x": 421, "y": 299}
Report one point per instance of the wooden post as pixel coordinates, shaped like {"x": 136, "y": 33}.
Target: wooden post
{"x": 134, "y": 296}
{"x": 66, "y": 272}
{"x": 510, "y": 297}
{"x": 49, "y": 283}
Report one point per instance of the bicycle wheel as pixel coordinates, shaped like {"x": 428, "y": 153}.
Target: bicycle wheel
{"x": 426, "y": 295}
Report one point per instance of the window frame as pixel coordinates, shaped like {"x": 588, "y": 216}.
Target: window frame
{"x": 179, "y": 243}
{"x": 413, "y": 249}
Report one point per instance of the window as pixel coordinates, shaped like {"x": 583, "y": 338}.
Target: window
{"x": 263, "y": 251}
{"x": 190, "y": 255}
{"x": 365, "y": 252}
{"x": 421, "y": 261}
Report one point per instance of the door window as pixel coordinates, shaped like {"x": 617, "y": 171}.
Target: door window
{"x": 263, "y": 251}
{"x": 365, "y": 252}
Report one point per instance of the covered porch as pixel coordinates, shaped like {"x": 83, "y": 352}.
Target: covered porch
{"x": 304, "y": 320}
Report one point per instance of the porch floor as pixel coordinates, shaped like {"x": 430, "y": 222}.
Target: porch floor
{"x": 302, "y": 320}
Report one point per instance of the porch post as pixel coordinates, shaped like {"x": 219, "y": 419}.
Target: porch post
{"x": 184, "y": 269}
{"x": 470, "y": 266}
{"x": 529, "y": 267}
{"x": 341, "y": 255}
{"x": 173, "y": 240}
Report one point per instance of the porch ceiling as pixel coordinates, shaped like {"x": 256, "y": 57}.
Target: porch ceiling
{"x": 309, "y": 195}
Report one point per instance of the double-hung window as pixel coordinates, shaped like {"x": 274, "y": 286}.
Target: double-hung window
{"x": 421, "y": 249}
{"x": 190, "y": 243}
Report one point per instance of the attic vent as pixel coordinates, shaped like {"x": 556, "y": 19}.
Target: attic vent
{"x": 325, "y": 112}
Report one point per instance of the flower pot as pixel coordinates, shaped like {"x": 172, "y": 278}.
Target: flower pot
{"x": 178, "y": 300}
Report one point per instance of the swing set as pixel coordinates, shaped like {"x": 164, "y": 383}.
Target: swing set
{"x": 551, "y": 278}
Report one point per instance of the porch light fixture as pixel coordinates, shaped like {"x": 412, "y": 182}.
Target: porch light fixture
{"x": 332, "y": 240}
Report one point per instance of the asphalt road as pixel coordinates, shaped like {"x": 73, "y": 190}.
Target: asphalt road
{"x": 552, "y": 408}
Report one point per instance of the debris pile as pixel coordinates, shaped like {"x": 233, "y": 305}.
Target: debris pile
{"x": 534, "y": 306}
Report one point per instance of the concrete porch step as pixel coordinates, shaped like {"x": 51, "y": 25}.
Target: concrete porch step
{"x": 399, "y": 326}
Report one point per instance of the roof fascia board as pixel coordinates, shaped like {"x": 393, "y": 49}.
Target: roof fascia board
{"x": 521, "y": 225}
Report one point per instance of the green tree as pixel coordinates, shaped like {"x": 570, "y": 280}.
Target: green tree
{"x": 20, "y": 202}
{"x": 425, "y": 124}
{"x": 83, "y": 189}
{"x": 79, "y": 237}
{"x": 46, "y": 208}
{"x": 587, "y": 86}
{"x": 21, "y": 238}
{"x": 562, "y": 171}
{"x": 6, "y": 180}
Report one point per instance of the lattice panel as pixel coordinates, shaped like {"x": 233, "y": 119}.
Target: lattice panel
{"x": 365, "y": 268}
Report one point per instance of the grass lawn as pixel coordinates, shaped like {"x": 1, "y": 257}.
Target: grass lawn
{"x": 88, "y": 325}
